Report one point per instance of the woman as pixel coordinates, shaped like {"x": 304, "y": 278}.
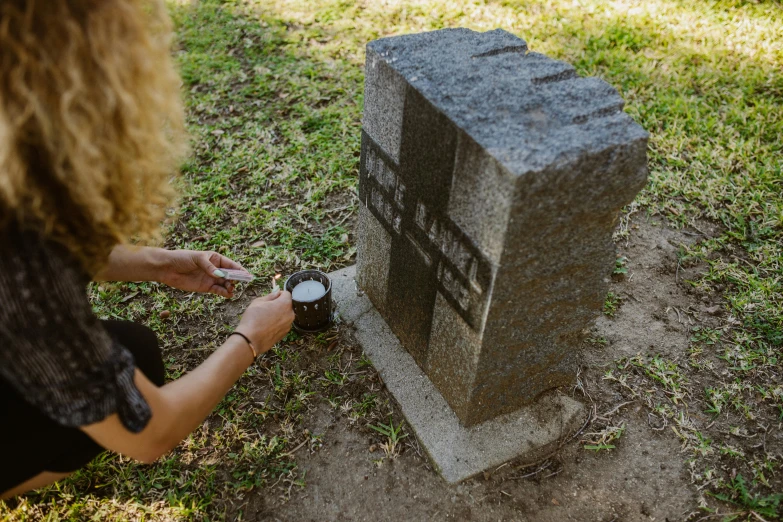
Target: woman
{"x": 91, "y": 129}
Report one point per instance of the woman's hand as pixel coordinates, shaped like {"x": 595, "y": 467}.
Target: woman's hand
{"x": 194, "y": 271}
{"x": 267, "y": 320}
{"x": 188, "y": 270}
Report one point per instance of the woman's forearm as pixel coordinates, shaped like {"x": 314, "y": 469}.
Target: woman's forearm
{"x": 133, "y": 263}
{"x": 194, "y": 396}
{"x": 178, "y": 407}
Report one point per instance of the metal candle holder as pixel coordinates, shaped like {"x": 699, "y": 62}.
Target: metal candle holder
{"x": 316, "y": 315}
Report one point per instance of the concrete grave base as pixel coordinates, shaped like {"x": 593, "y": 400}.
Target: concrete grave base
{"x": 457, "y": 452}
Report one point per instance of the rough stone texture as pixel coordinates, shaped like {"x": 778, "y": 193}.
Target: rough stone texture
{"x": 458, "y": 452}
{"x": 491, "y": 179}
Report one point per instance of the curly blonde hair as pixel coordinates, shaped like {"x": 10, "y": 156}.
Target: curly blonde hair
{"x": 91, "y": 121}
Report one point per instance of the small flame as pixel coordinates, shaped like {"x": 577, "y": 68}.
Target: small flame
{"x": 275, "y": 286}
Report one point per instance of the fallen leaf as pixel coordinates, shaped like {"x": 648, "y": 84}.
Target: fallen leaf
{"x": 129, "y": 297}
{"x": 555, "y": 502}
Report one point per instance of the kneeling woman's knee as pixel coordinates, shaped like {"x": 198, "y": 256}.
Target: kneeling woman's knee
{"x": 143, "y": 344}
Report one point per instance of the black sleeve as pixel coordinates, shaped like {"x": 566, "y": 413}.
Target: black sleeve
{"x": 53, "y": 350}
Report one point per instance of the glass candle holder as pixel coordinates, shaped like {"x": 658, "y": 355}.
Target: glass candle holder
{"x": 312, "y": 301}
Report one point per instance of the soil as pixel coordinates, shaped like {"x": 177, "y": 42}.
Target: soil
{"x": 643, "y": 478}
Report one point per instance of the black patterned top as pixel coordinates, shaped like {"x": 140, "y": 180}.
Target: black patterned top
{"x": 53, "y": 349}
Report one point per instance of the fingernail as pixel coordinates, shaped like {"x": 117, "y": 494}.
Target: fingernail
{"x": 219, "y": 273}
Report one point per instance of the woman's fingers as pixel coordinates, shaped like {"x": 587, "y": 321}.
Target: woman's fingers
{"x": 204, "y": 263}
{"x": 212, "y": 261}
{"x": 230, "y": 263}
{"x": 222, "y": 291}
{"x": 267, "y": 319}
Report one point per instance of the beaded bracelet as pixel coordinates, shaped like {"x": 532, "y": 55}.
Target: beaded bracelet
{"x": 249, "y": 344}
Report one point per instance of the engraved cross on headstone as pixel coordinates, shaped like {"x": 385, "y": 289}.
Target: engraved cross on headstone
{"x": 429, "y": 251}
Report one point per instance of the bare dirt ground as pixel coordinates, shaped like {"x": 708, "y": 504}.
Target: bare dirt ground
{"x": 644, "y": 477}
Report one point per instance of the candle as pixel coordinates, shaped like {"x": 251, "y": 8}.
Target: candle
{"x": 311, "y": 291}
{"x": 308, "y": 291}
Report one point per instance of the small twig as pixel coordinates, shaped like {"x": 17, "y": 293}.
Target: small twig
{"x": 739, "y": 435}
{"x": 278, "y": 481}
{"x": 501, "y": 466}
{"x": 720, "y": 515}
{"x": 338, "y": 209}
{"x": 343, "y": 220}
{"x": 554, "y": 473}
{"x": 291, "y": 453}
{"x": 546, "y": 459}
{"x": 541, "y": 468}
{"x": 590, "y": 418}
{"x": 608, "y": 413}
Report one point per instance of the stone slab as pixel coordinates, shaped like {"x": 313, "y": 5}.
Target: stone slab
{"x": 457, "y": 452}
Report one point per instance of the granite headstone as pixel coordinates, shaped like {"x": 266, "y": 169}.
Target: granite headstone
{"x": 491, "y": 180}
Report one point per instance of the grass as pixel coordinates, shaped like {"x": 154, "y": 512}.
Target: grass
{"x": 394, "y": 434}
{"x": 274, "y": 97}
{"x": 601, "y": 440}
{"x": 750, "y": 505}
{"x": 611, "y": 304}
